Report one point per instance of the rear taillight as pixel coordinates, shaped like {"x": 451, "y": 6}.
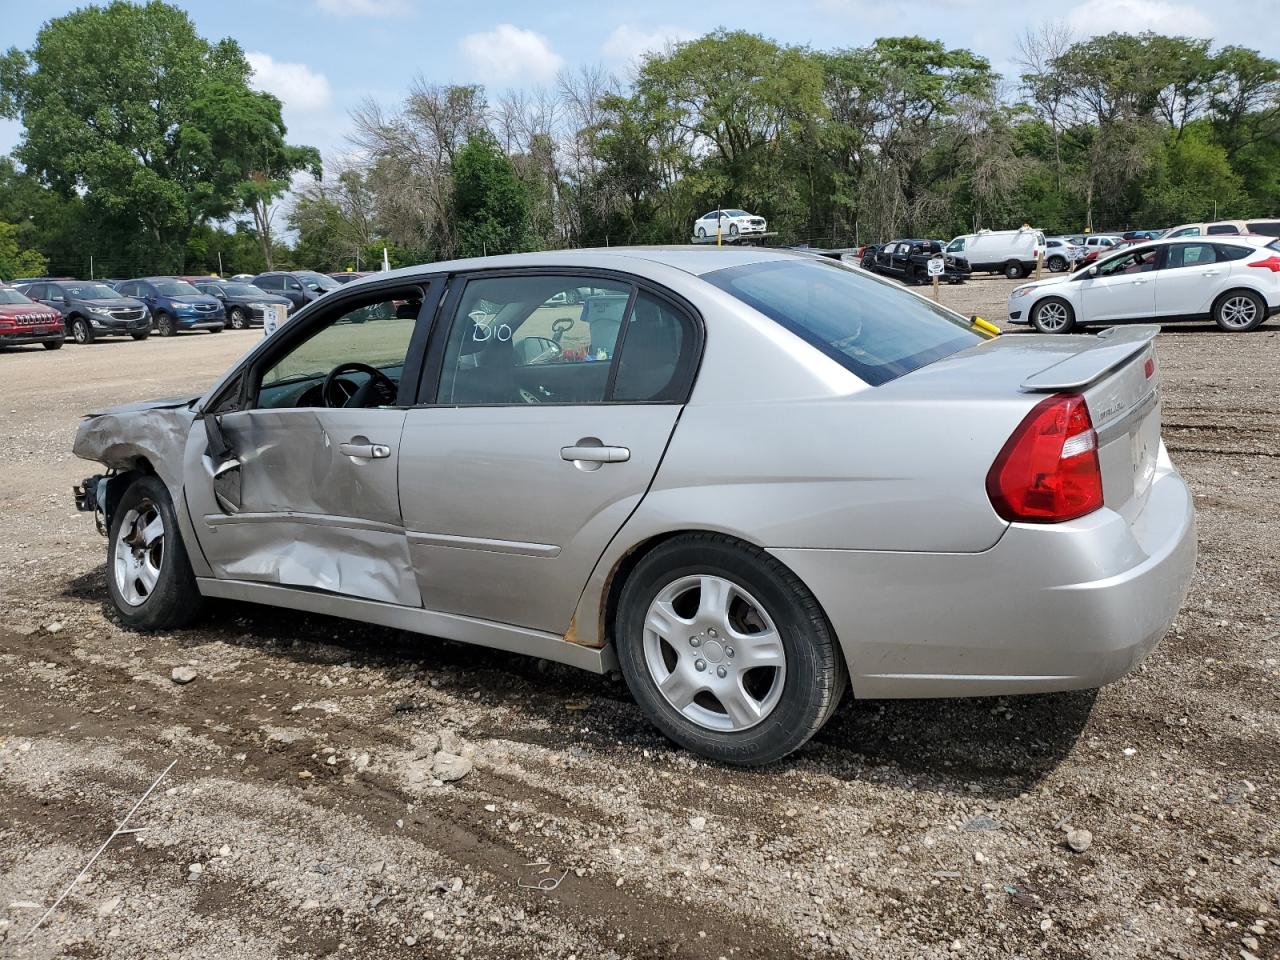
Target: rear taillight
{"x": 1048, "y": 470}
{"x": 1271, "y": 263}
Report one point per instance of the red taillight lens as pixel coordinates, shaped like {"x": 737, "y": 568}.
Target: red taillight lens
{"x": 1271, "y": 263}
{"x": 1048, "y": 470}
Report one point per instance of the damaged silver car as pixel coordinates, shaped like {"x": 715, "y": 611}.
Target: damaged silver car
{"x": 747, "y": 478}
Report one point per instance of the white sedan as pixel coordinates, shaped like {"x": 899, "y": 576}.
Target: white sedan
{"x": 732, "y": 223}
{"x": 1235, "y": 282}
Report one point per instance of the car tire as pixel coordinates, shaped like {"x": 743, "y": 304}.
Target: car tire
{"x": 1053, "y": 315}
{"x": 702, "y": 233}
{"x": 141, "y": 335}
{"x": 150, "y": 582}
{"x": 164, "y": 324}
{"x": 733, "y": 229}
{"x": 237, "y": 319}
{"x": 81, "y": 332}
{"x": 1057, "y": 264}
{"x": 53, "y": 344}
{"x": 1239, "y": 311}
{"x": 216, "y": 329}
{"x": 778, "y": 706}
{"x": 1013, "y": 270}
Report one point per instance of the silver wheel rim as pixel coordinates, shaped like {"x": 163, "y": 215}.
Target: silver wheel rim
{"x": 1057, "y": 265}
{"x": 714, "y": 653}
{"x": 81, "y": 332}
{"x": 1052, "y": 317}
{"x": 1239, "y": 312}
{"x": 139, "y": 553}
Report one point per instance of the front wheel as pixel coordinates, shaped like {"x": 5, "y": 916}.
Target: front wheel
{"x": 1053, "y": 315}
{"x": 148, "y": 574}
{"x": 141, "y": 334}
{"x": 726, "y": 651}
{"x": 733, "y": 229}
{"x": 81, "y": 332}
{"x": 702, "y": 233}
{"x": 238, "y": 319}
{"x": 1240, "y": 311}
{"x": 53, "y": 344}
{"x": 164, "y": 325}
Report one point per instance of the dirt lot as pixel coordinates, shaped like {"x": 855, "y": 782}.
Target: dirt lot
{"x": 300, "y": 819}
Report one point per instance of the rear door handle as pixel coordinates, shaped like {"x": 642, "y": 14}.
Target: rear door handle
{"x": 595, "y": 454}
{"x": 1209, "y": 273}
{"x": 365, "y": 451}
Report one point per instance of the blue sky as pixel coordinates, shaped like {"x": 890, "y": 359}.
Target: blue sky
{"x": 322, "y": 57}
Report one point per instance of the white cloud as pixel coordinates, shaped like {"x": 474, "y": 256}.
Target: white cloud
{"x": 297, "y": 85}
{"x": 1133, "y": 16}
{"x": 628, "y": 44}
{"x": 366, "y": 8}
{"x": 510, "y": 56}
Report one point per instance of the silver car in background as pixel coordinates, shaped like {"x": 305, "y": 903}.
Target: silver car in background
{"x": 747, "y": 478}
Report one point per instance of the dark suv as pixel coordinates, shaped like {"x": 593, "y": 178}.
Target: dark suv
{"x": 243, "y": 301}
{"x": 91, "y": 309}
{"x": 176, "y": 305}
{"x": 300, "y": 286}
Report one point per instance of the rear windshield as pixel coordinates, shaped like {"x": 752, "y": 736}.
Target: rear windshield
{"x": 872, "y": 327}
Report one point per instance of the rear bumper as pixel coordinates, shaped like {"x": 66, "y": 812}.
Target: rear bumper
{"x": 1050, "y": 607}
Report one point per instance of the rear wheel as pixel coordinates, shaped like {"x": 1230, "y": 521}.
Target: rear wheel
{"x": 148, "y": 574}
{"x": 1053, "y": 315}
{"x": 81, "y": 332}
{"x": 53, "y": 344}
{"x": 1014, "y": 271}
{"x": 726, "y": 651}
{"x": 164, "y": 324}
{"x": 1057, "y": 264}
{"x": 1240, "y": 311}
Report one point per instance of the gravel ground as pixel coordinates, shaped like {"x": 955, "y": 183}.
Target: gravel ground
{"x": 308, "y": 813}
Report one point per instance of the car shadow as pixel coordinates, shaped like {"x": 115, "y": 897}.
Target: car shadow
{"x": 988, "y": 747}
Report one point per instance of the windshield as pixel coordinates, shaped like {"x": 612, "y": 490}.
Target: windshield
{"x": 91, "y": 291}
{"x": 317, "y": 280}
{"x": 9, "y": 295}
{"x": 243, "y": 290}
{"x": 869, "y": 326}
{"x": 737, "y": 213}
{"x": 176, "y": 288}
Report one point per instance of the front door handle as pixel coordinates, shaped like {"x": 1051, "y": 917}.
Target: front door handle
{"x": 365, "y": 451}
{"x": 595, "y": 453}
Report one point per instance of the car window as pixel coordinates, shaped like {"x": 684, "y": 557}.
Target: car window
{"x": 372, "y": 332}
{"x": 1229, "y": 251}
{"x": 655, "y": 360}
{"x": 35, "y": 291}
{"x": 1190, "y": 255}
{"x": 10, "y": 295}
{"x": 176, "y": 288}
{"x": 91, "y": 291}
{"x": 870, "y": 326}
{"x": 292, "y": 284}
{"x": 533, "y": 339}
{"x": 957, "y": 244}
{"x": 1266, "y": 228}
{"x": 267, "y": 283}
{"x": 1138, "y": 261}
{"x": 1186, "y": 232}
{"x": 1222, "y": 229}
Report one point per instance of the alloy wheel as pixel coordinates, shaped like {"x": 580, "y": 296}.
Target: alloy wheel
{"x": 80, "y": 330}
{"x": 1238, "y": 312}
{"x": 139, "y": 552}
{"x": 714, "y": 653}
{"x": 1052, "y": 317}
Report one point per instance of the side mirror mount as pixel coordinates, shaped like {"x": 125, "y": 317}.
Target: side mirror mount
{"x": 1093, "y": 271}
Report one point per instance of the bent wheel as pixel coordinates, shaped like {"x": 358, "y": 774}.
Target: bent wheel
{"x": 726, "y": 651}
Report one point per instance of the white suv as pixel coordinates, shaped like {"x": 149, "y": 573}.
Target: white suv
{"x": 1234, "y": 281}
{"x": 732, "y": 223}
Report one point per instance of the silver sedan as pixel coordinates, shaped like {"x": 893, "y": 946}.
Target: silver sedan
{"x": 748, "y": 479}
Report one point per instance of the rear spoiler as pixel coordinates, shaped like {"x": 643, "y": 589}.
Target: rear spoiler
{"x": 1109, "y": 349}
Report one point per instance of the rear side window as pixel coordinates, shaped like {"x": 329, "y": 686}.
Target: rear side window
{"x": 1266, "y": 228}
{"x": 1222, "y": 229}
{"x": 871, "y": 327}
{"x": 1229, "y": 251}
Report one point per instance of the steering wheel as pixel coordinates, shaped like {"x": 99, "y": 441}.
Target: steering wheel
{"x": 379, "y": 384}
{"x": 560, "y": 326}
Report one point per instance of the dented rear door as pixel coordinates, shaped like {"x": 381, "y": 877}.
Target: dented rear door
{"x": 318, "y": 505}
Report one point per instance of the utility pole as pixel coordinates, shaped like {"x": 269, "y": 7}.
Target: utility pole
{"x": 219, "y": 264}
{"x": 91, "y": 266}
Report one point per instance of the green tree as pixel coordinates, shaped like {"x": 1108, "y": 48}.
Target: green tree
{"x": 154, "y": 126}
{"x": 14, "y": 260}
{"x": 490, "y": 202}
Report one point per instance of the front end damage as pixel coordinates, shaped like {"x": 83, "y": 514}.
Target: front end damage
{"x": 148, "y": 437}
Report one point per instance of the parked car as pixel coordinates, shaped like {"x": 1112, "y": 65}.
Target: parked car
{"x": 1060, "y": 253}
{"x": 22, "y": 320}
{"x": 244, "y": 277}
{"x": 1138, "y": 235}
{"x": 732, "y": 223}
{"x": 1234, "y": 282}
{"x": 176, "y": 306}
{"x": 1225, "y": 228}
{"x": 663, "y": 507}
{"x": 1098, "y": 245}
{"x": 300, "y": 287}
{"x": 91, "y": 309}
{"x": 1011, "y": 252}
{"x": 244, "y": 304}
{"x": 346, "y": 276}
{"x": 908, "y": 261}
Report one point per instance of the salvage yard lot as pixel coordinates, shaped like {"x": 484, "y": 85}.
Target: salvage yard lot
{"x": 905, "y": 829}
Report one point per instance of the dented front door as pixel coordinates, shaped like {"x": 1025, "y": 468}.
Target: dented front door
{"x": 309, "y": 500}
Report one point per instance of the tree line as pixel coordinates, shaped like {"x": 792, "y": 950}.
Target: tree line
{"x": 902, "y": 137}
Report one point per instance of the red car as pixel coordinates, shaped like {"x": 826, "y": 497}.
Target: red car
{"x": 25, "y": 321}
